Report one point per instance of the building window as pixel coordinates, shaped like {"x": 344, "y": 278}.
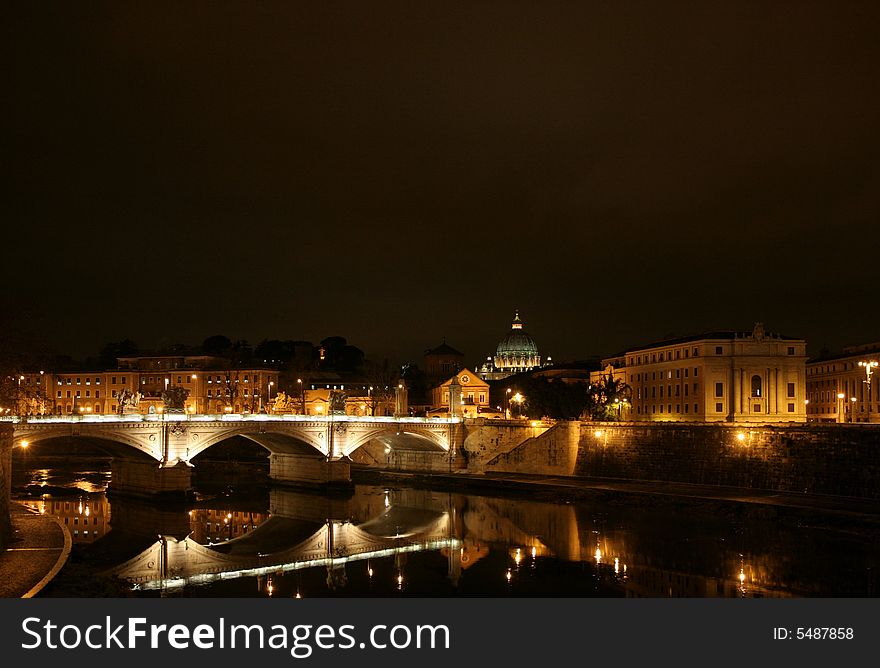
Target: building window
{"x": 756, "y": 408}
{"x": 59, "y": 394}
{"x": 719, "y": 389}
{"x": 696, "y": 352}
{"x": 756, "y": 386}
{"x": 719, "y": 408}
{"x": 791, "y": 350}
{"x": 790, "y": 392}
{"x": 791, "y": 408}
{"x": 696, "y": 372}
{"x": 719, "y": 350}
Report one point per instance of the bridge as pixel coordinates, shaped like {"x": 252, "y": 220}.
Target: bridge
{"x": 153, "y": 453}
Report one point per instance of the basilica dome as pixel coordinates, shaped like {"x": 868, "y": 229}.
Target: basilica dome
{"x": 517, "y": 351}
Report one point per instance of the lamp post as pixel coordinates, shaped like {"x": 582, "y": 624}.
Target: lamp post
{"x": 269, "y": 394}
{"x": 852, "y": 409}
{"x": 869, "y": 366}
{"x": 507, "y": 403}
{"x": 302, "y": 395}
{"x": 518, "y": 400}
{"x": 840, "y": 397}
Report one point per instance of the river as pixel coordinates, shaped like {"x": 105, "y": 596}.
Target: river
{"x": 245, "y": 540}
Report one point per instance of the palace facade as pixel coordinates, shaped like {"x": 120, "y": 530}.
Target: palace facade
{"x": 723, "y": 376}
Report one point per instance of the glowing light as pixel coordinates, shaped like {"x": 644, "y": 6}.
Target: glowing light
{"x": 298, "y": 595}
{"x": 742, "y": 575}
{"x": 598, "y": 555}
{"x": 370, "y": 572}
{"x": 740, "y": 437}
{"x": 598, "y": 433}
{"x": 840, "y": 395}
{"x": 518, "y": 556}
{"x": 387, "y": 501}
{"x": 509, "y": 575}
{"x": 24, "y": 444}
{"x": 534, "y": 552}
{"x": 616, "y": 565}
{"x": 399, "y": 581}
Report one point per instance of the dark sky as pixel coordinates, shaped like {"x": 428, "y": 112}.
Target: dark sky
{"x": 397, "y": 173}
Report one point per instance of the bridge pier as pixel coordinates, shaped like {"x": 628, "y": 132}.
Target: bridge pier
{"x": 310, "y": 471}
{"x": 150, "y": 479}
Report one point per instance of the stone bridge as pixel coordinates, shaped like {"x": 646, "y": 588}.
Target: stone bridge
{"x": 156, "y": 452}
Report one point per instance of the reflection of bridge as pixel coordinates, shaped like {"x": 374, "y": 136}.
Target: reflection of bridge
{"x": 304, "y": 449}
{"x": 396, "y": 529}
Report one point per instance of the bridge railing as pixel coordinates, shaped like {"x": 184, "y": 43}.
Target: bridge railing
{"x": 221, "y": 417}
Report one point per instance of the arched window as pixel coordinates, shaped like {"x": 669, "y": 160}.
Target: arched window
{"x": 756, "y": 386}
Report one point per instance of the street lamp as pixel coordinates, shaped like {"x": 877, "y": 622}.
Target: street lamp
{"x": 507, "y": 403}
{"x": 840, "y": 397}
{"x": 518, "y": 399}
{"x": 302, "y": 395}
{"x": 869, "y": 366}
{"x": 852, "y": 411}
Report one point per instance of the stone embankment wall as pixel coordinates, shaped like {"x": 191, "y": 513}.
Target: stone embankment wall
{"x": 821, "y": 459}
{"x": 551, "y": 451}
{"x": 5, "y": 483}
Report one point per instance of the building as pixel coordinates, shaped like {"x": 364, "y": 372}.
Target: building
{"x": 472, "y": 393}
{"x": 722, "y": 376}
{"x": 211, "y": 387}
{"x": 515, "y": 353}
{"x": 441, "y": 362}
{"x": 845, "y": 386}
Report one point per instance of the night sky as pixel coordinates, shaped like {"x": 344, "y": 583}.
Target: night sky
{"x": 397, "y": 173}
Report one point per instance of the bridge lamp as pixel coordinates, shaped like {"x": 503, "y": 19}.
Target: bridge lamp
{"x": 740, "y": 436}
{"x": 24, "y": 444}
{"x": 598, "y": 433}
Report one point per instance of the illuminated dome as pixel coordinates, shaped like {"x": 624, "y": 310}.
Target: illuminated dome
{"x": 517, "y": 351}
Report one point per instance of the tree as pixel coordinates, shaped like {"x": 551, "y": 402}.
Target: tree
{"x": 174, "y": 399}
{"x": 607, "y": 398}
{"x": 383, "y": 379}
{"x": 113, "y": 350}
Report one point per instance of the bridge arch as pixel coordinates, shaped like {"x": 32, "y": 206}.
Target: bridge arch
{"x": 398, "y": 437}
{"x": 117, "y": 443}
{"x": 274, "y": 440}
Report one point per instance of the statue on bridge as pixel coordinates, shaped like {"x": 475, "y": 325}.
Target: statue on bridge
{"x": 281, "y": 403}
{"x": 337, "y": 402}
{"x": 128, "y": 401}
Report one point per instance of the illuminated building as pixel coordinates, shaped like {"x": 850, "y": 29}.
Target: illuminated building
{"x": 211, "y": 385}
{"x": 845, "y": 386}
{"x": 474, "y": 395}
{"x": 515, "y": 353}
{"x": 720, "y": 376}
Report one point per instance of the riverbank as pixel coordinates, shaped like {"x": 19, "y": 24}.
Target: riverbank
{"x": 39, "y": 548}
{"x": 578, "y": 488}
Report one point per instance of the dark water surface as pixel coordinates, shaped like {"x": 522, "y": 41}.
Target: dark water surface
{"x": 255, "y": 540}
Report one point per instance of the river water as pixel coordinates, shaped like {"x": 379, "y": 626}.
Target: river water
{"x": 255, "y": 540}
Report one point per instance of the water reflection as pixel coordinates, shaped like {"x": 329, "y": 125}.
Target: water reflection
{"x": 405, "y": 541}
